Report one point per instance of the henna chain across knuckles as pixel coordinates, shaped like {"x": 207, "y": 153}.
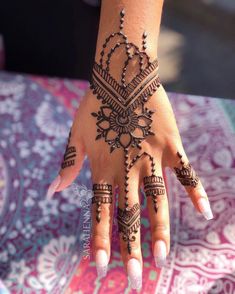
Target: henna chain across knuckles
{"x": 123, "y": 121}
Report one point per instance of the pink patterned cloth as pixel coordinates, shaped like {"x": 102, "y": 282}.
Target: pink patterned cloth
{"x": 42, "y": 243}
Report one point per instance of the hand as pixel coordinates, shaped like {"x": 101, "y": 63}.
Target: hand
{"x": 161, "y": 147}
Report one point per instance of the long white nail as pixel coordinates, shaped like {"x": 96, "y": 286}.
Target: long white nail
{"x": 205, "y": 208}
{"x": 101, "y": 261}
{"x": 159, "y": 253}
{"x": 134, "y": 272}
{"x": 53, "y": 186}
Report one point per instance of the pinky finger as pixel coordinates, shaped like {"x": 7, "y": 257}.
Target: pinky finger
{"x": 192, "y": 184}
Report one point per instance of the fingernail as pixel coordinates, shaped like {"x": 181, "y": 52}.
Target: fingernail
{"x": 53, "y": 186}
{"x": 101, "y": 261}
{"x": 205, "y": 208}
{"x": 134, "y": 272}
{"x": 160, "y": 253}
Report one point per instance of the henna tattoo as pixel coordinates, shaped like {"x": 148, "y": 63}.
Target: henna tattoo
{"x": 154, "y": 187}
{"x": 123, "y": 121}
{"x": 186, "y": 174}
{"x": 128, "y": 223}
{"x": 102, "y": 195}
{"x": 69, "y": 155}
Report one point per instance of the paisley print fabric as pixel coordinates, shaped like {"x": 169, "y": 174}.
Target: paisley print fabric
{"x": 45, "y": 244}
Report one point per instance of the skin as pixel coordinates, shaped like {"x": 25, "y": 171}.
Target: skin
{"x": 140, "y": 16}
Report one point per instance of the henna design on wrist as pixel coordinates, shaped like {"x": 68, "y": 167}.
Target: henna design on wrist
{"x": 69, "y": 155}
{"x": 123, "y": 121}
{"x": 186, "y": 174}
{"x": 102, "y": 195}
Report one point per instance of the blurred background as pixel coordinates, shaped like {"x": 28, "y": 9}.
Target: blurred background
{"x": 57, "y": 38}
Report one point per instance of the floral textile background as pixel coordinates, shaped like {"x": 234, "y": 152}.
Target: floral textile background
{"x": 42, "y": 241}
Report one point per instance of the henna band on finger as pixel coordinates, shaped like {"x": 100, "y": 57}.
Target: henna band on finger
{"x": 154, "y": 187}
{"x": 102, "y": 195}
{"x": 128, "y": 223}
{"x": 186, "y": 174}
{"x": 69, "y": 155}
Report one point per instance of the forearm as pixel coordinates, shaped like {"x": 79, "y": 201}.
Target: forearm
{"x": 140, "y": 16}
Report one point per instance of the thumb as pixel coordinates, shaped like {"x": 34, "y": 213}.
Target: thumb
{"x": 71, "y": 164}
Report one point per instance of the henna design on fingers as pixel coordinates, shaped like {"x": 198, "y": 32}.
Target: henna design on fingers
{"x": 69, "y": 155}
{"x": 154, "y": 187}
{"x": 102, "y": 195}
{"x": 128, "y": 223}
{"x": 123, "y": 121}
{"x": 186, "y": 174}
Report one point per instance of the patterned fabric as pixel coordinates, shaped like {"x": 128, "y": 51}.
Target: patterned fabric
{"x": 44, "y": 245}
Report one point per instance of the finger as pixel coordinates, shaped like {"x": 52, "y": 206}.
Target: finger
{"x": 192, "y": 184}
{"x": 71, "y": 163}
{"x": 102, "y": 220}
{"x": 158, "y": 210}
{"x": 129, "y": 228}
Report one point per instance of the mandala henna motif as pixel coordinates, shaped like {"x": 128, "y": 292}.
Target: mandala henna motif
{"x": 123, "y": 121}
{"x": 102, "y": 195}
{"x": 69, "y": 155}
{"x": 186, "y": 174}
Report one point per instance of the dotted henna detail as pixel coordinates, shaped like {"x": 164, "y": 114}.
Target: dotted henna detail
{"x": 154, "y": 187}
{"x": 102, "y": 195}
{"x": 128, "y": 223}
{"x": 123, "y": 120}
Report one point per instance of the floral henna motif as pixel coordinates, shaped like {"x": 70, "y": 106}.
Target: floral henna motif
{"x": 186, "y": 174}
{"x": 102, "y": 195}
{"x": 119, "y": 130}
{"x": 69, "y": 155}
{"x": 123, "y": 121}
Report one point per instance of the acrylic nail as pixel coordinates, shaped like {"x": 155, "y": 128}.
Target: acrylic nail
{"x": 205, "y": 208}
{"x": 53, "y": 186}
{"x": 160, "y": 253}
{"x": 101, "y": 263}
{"x": 134, "y": 272}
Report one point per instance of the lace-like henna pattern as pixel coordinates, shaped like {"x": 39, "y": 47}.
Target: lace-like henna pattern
{"x": 186, "y": 174}
{"x": 69, "y": 155}
{"x": 102, "y": 195}
{"x": 123, "y": 121}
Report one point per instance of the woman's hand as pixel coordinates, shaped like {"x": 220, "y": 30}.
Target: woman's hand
{"x": 130, "y": 135}
{"x": 159, "y": 150}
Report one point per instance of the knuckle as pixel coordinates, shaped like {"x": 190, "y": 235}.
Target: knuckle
{"x": 100, "y": 239}
{"x": 161, "y": 229}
